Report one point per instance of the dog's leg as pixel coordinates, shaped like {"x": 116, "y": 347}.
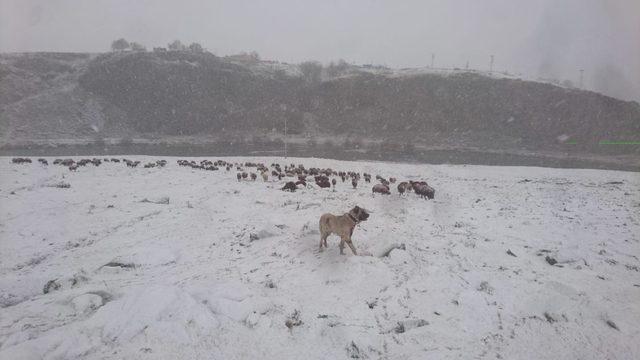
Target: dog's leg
{"x": 341, "y": 246}
{"x": 323, "y": 238}
{"x": 353, "y": 248}
{"x": 325, "y": 241}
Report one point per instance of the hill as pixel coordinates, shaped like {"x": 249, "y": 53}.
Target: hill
{"x": 190, "y": 96}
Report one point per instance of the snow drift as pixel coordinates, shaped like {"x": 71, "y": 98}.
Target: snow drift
{"x": 231, "y": 270}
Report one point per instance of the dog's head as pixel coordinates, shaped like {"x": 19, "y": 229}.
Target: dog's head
{"x": 359, "y": 214}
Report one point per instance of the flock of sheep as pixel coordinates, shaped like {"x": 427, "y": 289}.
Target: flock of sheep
{"x": 74, "y": 165}
{"x": 323, "y": 178}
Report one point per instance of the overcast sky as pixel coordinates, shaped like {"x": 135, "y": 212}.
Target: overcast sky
{"x": 550, "y": 38}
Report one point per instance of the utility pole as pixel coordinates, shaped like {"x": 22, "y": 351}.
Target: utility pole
{"x": 581, "y": 78}
{"x": 433, "y": 58}
{"x": 285, "y": 137}
{"x": 491, "y": 65}
{"x": 467, "y": 66}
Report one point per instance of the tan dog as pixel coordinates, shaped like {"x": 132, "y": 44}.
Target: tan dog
{"x": 341, "y": 225}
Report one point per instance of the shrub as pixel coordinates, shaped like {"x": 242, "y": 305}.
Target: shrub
{"x": 311, "y": 71}
{"x": 120, "y": 45}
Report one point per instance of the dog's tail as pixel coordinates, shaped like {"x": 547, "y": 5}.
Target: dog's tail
{"x": 323, "y": 223}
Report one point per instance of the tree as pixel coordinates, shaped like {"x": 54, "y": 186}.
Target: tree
{"x": 337, "y": 69}
{"x": 176, "y": 45}
{"x": 120, "y": 45}
{"x": 195, "y": 47}
{"x": 137, "y": 46}
{"x": 311, "y": 71}
{"x": 254, "y": 56}
{"x": 279, "y": 74}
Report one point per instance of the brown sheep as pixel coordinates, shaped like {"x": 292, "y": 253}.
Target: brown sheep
{"x": 422, "y": 189}
{"x": 381, "y": 188}
{"x": 21, "y": 161}
{"x": 403, "y": 187}
{"x": 322, "y": 181}
{"x": 289, "y": 186}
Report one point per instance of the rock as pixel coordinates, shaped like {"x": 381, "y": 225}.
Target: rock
{"x": 551, "y": 260}
{"x": 511, "y": 253}
{"x": 51, "y": 285}
{"x": 353, "y": 351}
{"x": 549, "y": 318}
{"x": 60, "y": 185}
{"x": 612, "y": 325}
{"x": 120, "y": 265}
{"x": 371, "y": 304}
{"x": 293, "y": 320}
{"x": 162, "y": 201}
{"x": 407, "y": 325}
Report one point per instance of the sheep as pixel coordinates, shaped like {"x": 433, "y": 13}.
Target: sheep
{"x": 422, "y": 189}
{"x": 21, "y": 161}
{"x": 403, "y": 187}
{"x": 289, "y": 186}
{"x": 380, "y": 188}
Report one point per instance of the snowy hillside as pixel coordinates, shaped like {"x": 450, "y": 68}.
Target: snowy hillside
{"x": 49, "y": 99}
{"x": 231, "y": 270}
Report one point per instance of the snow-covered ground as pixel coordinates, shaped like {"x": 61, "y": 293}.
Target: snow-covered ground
{"x": 186, "y": 279}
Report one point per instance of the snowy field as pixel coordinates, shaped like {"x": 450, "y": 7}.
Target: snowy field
{"x": 220, "y": 270}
